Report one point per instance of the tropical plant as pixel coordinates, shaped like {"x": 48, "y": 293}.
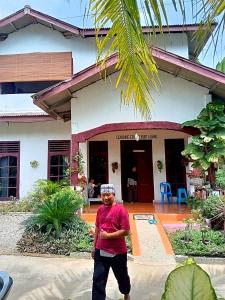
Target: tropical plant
{"x": 56, "y": 211}
{"x": 208, "y": 147}
{"x": 135, "y": 61}
{"x": 221, "y": 65}
{"x": 220, "y": 177}
{"x": 190, "y": 282}
{"x": 213, "y": 208}
{"x": 43, "y": 189}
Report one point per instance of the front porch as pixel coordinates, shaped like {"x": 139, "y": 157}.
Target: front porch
{"x": 136, "y": 208}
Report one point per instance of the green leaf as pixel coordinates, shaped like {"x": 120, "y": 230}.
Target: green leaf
{"x": 189, "y": 282}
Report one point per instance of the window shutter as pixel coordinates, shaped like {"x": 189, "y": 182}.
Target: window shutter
{"x": 59, "y": 146}
{"x": 9, "y": 147}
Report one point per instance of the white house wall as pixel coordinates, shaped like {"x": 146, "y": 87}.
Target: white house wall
{"x": 18, "y": 103}
{"x": 99, "y": 104}
{"x": 33, "y": 139}
{"x": 38, "y": 38}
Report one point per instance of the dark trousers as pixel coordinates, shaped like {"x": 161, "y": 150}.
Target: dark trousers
{"x": 132, "y": 193}
{"x": 102, "y": 265}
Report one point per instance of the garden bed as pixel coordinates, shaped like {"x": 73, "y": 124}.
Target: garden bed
{"x": 194, "y": 242}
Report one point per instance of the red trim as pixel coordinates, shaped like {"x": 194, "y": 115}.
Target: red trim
{"x": 165, "y": 125}
{"x": 90, "y": 32}
{"x": 146, "y": 29}
{"x": 39, "y": 15}
{"x": 188, "y": 65}
{"x": 112, "y": 61}
{"x": 17, "y": 155}
{"x": 25, "y": 119}
{"x": 51, "y": 153}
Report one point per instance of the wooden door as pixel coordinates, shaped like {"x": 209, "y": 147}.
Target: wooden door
{"x": 175, "y": 169}
{"x": 138, "y": 154}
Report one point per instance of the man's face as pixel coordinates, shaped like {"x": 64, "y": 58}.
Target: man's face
{"x": 107, "y": 198}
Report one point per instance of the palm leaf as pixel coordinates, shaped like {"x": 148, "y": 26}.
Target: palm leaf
{"x": 135, "y": 61}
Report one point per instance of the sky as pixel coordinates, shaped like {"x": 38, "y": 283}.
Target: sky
{"x": 72, "y": 11}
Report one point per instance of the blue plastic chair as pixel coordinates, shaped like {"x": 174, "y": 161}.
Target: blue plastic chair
{"x": 165, "y": 190}
{"x": 181, "y": 195}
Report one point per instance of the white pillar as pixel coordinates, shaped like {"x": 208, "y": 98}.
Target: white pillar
{"x": 114, "y": 156}
{"x": 158, "y": 153}
{"x": 83, "y": 149}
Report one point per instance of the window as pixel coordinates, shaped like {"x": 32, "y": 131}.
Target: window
{"x": 58, "y": 159}
{"x": 24, "y": 87}
{"x": 9, "y": 169}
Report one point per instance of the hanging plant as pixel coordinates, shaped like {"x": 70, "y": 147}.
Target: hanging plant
{"x": 159, "y": 165}
{"x": 34, "y": 163}
{"x": 78, "y": 157}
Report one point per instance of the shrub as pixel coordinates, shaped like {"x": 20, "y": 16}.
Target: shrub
{"x": 220, "y": 177}
{"x": 213, "y": 207}
{"x": 42, "y": 190}
{"x": 73, "y": 237}
{"x": 56, "y": 211}
{"x": 211, "y": 245}
{"x": 23, "y": 205}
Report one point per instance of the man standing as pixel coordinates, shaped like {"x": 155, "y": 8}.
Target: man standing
{"x": 111, "y": 227}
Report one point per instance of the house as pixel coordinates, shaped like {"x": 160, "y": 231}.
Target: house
{"x": 54, "y": 102}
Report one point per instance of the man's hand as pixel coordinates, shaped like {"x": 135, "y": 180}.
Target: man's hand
{"x": 103, "y": 235}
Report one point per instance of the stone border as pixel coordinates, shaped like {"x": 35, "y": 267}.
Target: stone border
{"x": 201, "y": 259}
{"x": 80, "y": 255}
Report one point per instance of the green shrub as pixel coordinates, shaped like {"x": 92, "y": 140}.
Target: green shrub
{"x": 57, "y": 210}
{"x": 212, "y": 244}
{"x": 220, "y": 177}
{"x": 213, "y": 207}
{"x": 42, "y": 190}
{"x": 23, "y": 205}
{"x": 73, "y": 237}
{"x": 194, "y": 203}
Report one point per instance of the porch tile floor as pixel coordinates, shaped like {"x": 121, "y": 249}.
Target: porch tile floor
{"x": 136, "y": 208}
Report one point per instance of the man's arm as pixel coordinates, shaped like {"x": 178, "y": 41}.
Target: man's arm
{"x": 114, "y": 235}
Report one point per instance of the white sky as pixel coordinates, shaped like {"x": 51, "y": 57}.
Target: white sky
{"x": 72, "y": 11}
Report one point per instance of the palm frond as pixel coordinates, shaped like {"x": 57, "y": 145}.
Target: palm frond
{"x": 135, "y": 61}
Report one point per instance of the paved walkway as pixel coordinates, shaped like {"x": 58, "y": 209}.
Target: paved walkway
{"x": 151, "y": 246}
{"x": 38, "y": 278}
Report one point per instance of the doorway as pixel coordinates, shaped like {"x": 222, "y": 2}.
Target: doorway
{"x": 138, "y": 154}
{"x": 98, "y": 161}
{"x": 175, "y": 168}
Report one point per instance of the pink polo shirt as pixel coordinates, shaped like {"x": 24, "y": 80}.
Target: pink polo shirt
{"x": 111, "y": 219}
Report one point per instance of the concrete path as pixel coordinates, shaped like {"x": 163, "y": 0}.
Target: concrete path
{"x": 151, "y": 246}
{"x": 38, "y": 278}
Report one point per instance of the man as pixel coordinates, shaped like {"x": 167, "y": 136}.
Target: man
{"x": 111, "y": 227}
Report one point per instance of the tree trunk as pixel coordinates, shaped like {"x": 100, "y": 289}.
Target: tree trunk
{"x": 211, "y": 175}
